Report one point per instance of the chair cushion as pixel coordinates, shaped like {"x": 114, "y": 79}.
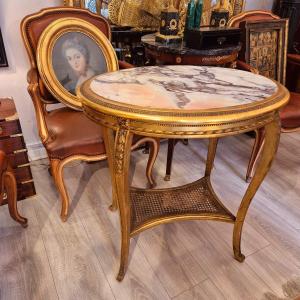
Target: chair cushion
{"x": 290, "y": 115}
{"x": 72, "y": 133}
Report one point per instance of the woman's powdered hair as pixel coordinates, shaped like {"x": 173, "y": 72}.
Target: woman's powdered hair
{"x": 75, "y": 43}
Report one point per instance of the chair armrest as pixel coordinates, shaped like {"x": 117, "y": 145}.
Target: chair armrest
{"x": 294, "y": 58}
{"x": 125, "y": 65}
{"x": 32, "y": 76}
{"x": 241, "y": 65}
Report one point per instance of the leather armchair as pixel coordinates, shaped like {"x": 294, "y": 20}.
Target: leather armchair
{"x": 8, "y": 189}
{"x": 67, "y": 134}
{"x": 290, "y": 115}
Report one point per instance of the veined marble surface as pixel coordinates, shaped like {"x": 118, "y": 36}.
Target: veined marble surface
{"x": 183, "y": 87}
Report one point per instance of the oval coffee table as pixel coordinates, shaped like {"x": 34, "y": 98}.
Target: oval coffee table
{"x": 180, "y": 102}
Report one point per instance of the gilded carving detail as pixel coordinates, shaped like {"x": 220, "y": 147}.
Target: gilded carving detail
{"x": 120, "y": 145}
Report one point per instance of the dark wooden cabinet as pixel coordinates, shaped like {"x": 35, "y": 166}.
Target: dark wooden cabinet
{"x": 12, "y": 143}
{"x": 291, "y": 9}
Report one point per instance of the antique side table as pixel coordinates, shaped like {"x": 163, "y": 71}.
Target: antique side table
{"x": 180, "y": 102}
{"x": 160, "y": 53}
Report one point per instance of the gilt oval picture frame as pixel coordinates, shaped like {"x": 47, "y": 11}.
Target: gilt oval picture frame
{"x": 71, "y": 51}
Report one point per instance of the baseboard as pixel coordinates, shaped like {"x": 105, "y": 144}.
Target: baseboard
{"x": 36, "y": 151}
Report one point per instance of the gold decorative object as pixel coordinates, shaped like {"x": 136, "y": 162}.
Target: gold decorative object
{"x": 131, "y": 13}
{"x": 46, "y": 52}
{"x": 235, "y": 7}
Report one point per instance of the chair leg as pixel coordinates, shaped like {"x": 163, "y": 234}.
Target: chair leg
{"x": 154, "y": 149}
{"x": 57, "y": 172}
{"x": 171, "y": 145}
{"x": 257, "y": 148}
{"x": 11, "y": 190}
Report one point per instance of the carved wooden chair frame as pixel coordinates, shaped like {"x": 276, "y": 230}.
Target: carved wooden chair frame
{"x": 41, "y": 103}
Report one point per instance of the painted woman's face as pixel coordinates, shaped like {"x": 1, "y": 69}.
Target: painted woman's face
{"x": 76, "y": 60}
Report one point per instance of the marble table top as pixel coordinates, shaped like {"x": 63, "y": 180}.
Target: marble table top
{"x": 182, "y": 87}
{"x": 180, "y": 49}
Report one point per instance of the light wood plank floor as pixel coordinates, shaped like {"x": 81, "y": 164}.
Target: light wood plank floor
{"x": 187, "y": 260}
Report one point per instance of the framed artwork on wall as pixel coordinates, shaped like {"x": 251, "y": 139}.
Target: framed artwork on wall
{"x": 3, "y": 58}
{"x": 265, "y": 47}
{"x": 71, "y": 51}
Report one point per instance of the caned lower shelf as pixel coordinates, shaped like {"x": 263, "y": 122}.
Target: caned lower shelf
{"x": 192, "y": 201}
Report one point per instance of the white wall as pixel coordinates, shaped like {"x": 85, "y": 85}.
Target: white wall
{"x": 13, "y": 79}
{"x": 259, "y": 4}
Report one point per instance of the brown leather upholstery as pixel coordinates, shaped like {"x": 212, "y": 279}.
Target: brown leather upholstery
{"x": 37, "y": 24}
{"x": 290, "y": 115}
{"x": 71, "y": 133}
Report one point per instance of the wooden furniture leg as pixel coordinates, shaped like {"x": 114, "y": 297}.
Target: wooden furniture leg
{"x": 122, "y": 152}
{"x": 272, "y": 135}
{"x": 10, "y": 185}
{"x": 257, "y": 148}
{"x": 171, "y": 146}
{"x": 211, "y": 154}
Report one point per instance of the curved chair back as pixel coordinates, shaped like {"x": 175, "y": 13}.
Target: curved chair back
{"x": 251, "y": 15}
{"x": 32, "y": 27}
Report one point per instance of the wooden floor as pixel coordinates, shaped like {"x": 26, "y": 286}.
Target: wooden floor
{"x": 187, "y": 260}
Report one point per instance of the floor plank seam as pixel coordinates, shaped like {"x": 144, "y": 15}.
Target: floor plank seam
{"x": 99, "y": 262}
{"x": 166, "y": 291}
{"x": 270, "y": 289}
{"x": 46, "y": 252}
{"x": 191, "y": 288}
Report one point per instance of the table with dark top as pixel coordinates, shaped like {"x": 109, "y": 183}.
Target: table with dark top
{"x": 179, "y": 54}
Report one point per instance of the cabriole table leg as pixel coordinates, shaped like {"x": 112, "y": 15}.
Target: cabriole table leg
{"x": 272, "y": 135}
{"x": 121, "y": 170}
{"x": 109, "y": 141}
{"x": 211, "y": 154}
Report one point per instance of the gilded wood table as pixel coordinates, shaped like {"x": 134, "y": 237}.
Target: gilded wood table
{"x": 180, "y": 102}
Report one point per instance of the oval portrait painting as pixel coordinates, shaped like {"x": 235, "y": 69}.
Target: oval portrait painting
{"x": 76, "y": 58}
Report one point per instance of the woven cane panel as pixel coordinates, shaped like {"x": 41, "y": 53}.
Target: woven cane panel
{"x": 195, "y": 198}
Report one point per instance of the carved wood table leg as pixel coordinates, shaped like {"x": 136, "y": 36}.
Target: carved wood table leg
{"x": 121, "y": 169}
{"x": 109, "y": 141}
{"x": 10, "y": 185}
{"x": 171, "y": 146}
{"x": 154, "y": 149}
{"x": 258, "y": 145}
{"x": 272, "y": 135}
{"x": 211, "y": 154}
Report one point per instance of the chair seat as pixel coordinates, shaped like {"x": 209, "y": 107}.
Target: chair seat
{"x": 72, "y": 133}
{"x": 290, "y": 115}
